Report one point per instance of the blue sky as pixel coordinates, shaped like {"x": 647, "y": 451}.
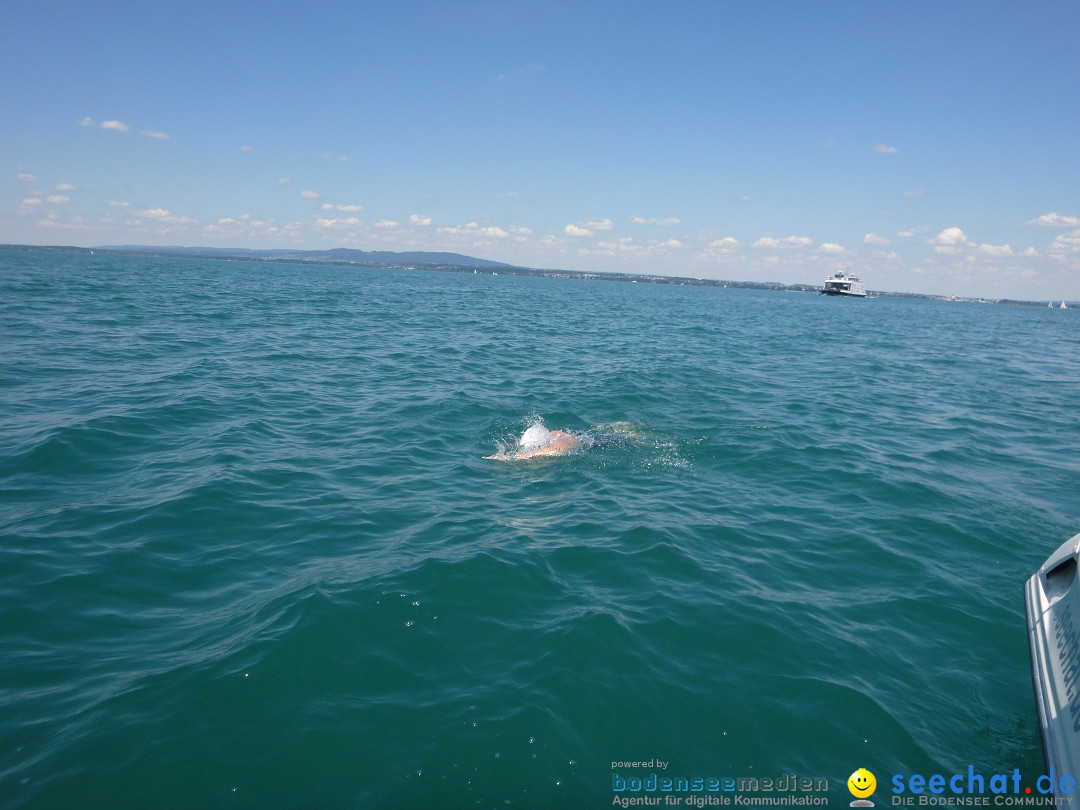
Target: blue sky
{"x": 930, "y": 147}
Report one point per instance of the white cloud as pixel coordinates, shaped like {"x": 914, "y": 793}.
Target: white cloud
{"x": 474, "y": 229}
{"x": 624, "y": 245}
{"x": 874, "y": 239}
{"x": 727, "y": 243}
{"x": 885, "y": 149}
{"x": 29, "y": 205}
{"x": 589, "y": 228}
{"x": 345, "y": 209}
{"x": 27, "y": 178}
{"x": 118, "y": 204}
{"x": 787, "y": 242}
{"x": 65, "y": 187}
{"x": 284, "y": 181}
{"x": 995, "y": 250}
{"x": 310, "y": 195}
{"x": 721, "y": 250}
{"x": 951, "y": 236}
{"x": 120, "y": 126}
{"x": 627, "y": 246}
{"x": 831, "y": 247}
{"x": 1055, "y": 220}
{"x": 1065, "y": 243}
{"x": 242, "y": 224}
{"x": 637, "y": 220}
{"x": 348, "y": 222}
{"x": 386, "y": 223}
{"x": 915, "y": 192}
{"x": 246, "y": 148}
{"x": 417, "y": 219}
{"x": 58, "y": 199}
{"x": 797, "y": 241}
{"x": 330, "y": 156}
{"x": 950, "y": 241}
{"x": 73, "y": 224}
{"x": 163, "y": 215}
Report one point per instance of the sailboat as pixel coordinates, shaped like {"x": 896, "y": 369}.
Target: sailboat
{"x": 1063, "y": 304}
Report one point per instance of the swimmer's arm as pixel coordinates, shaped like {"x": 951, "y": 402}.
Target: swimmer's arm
{"x": 513, "y": 455}
{"x": 563, "y": 444}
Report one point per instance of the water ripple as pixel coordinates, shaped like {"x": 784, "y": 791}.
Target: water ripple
{"x": 252, "y": 551}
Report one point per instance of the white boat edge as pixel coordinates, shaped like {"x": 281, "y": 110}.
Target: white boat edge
{"x": 1052, "y": 605}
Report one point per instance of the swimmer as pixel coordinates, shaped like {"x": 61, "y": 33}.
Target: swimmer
{"x": 539, "y": 442}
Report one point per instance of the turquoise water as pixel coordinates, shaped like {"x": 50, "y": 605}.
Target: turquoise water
{"x": 251, "y": 554}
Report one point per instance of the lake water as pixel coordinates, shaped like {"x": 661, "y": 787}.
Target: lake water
{"x": 251, "y": 554}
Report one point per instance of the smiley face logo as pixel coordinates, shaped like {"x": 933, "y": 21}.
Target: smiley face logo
{"x": 861, "y": 783}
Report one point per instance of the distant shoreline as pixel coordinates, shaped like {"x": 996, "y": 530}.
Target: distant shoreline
{"x": 458, "y": 263}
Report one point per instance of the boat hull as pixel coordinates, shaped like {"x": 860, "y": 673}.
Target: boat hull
{"x": 844, "y": 293}
{"x": 1052, "y": 605}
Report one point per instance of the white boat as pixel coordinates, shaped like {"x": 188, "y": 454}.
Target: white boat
{"x": 844, "y": 284}
{"x": 1052, "y": 604}
{"x": 1063, "y": 305}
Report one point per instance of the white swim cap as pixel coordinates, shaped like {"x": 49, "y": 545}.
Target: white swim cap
{"x": 534, "y": 438}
